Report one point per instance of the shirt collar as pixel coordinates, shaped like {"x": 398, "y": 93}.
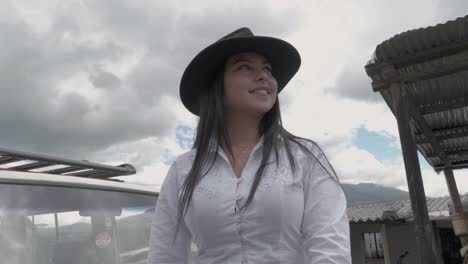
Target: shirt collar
{"x": 223, "y": 154}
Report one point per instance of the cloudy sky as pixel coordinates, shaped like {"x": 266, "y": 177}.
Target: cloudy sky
{"x": 98, "y": 80}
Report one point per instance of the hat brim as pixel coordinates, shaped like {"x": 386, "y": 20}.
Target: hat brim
{"x": 200, "y": 73}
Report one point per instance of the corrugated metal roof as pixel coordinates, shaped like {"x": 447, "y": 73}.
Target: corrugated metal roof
{"x": 438, "y": 208}
{"x": 419, "y": 40}
{"x": 431, "y": 65}
{"x": 374, "y": 212}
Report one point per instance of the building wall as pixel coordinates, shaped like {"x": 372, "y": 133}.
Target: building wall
{"x": 398, "y": 237}
{"x": 357, "y": 243}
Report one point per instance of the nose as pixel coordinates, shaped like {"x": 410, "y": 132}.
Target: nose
{"x": 261, "y": 75}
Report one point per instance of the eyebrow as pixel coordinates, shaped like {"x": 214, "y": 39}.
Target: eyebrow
{"x": 247, "y": 60}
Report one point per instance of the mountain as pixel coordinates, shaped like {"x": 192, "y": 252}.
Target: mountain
{"x": 368, "y": 193}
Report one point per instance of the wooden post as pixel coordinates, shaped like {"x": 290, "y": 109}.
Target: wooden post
{"x": 423, "y": 228}
{"x": 455, "y": 198}
{"x": 453, "y": 191}
{"x": 386, "y": 243}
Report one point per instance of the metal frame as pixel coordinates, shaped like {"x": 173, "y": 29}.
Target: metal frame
{"x": 75, "y": 168}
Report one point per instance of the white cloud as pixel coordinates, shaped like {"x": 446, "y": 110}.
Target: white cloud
{"x": 356, "y": 165}
{"x": 153, "y": 174}
{"x": 110, "y": 72}
{"x": 335, "y": 95}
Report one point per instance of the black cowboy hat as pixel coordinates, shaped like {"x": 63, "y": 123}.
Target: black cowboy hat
{"x": 201, "y": 71}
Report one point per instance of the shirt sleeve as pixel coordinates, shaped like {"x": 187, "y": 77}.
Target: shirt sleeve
{"x": 325, "y": 224}
{"x": 163, "y": 248}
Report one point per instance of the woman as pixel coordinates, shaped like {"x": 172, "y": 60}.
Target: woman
{"x": 249, "y": 191}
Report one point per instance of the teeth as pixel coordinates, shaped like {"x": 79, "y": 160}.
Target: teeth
{"x": 261, "y": 92}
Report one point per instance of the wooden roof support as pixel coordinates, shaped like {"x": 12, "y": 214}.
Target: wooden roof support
{"x": 453, "y": 191}
{"x": 423, "y": 230}
{"x": 445, "y": 106}
{"x": 417, "y": 117}
{"x": 436, "y": 71}
{"x": 442, "y": 52}
{"x": 444, "y": 134}
{"x": 451, "y": 154}
{"x": 455, "y": 198}
{"x": 455, "y": 165}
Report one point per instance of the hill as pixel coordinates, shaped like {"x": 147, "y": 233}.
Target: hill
{"x": 367, "y": 193}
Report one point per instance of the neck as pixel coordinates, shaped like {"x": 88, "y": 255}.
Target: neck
{"x": 243, "y": 130}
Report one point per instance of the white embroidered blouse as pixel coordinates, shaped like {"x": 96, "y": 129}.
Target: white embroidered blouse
{"x": 297, "y": 219}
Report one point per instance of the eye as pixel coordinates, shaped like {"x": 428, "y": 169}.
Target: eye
{"x": 244, "y": 66}
{"x": 268, "y": 69}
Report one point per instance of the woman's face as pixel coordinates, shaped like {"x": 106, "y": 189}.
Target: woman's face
{"x": 249, "y": 86}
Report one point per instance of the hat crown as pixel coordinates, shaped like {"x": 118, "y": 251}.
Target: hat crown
{"x": 239, "y": 33}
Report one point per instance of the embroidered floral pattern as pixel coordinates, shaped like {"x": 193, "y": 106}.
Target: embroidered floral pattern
{"x": 210, "y": 194}
{"x": 282, "y": 176}
{"x": 206, "y": 187}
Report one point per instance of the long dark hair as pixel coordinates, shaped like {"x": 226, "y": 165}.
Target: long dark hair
{"x": 211, "y": 133}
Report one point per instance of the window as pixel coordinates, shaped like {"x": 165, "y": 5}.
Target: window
{"x": 133, "y": 229}
{"x": 63, "y": 225}
{"x": 54, "y": 230}
{"x": 373, "y": 246}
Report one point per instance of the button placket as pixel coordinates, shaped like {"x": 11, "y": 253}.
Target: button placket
{"x": 239, "y": 201}
{"x": 238, "y": 197}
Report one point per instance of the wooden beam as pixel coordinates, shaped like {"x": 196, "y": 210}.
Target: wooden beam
{"x": 453, "y": 191}
{"x": 417, "y": 117}
{"x": 428, "y": 160}
{"x": 423, "y": 230}
{"x": 421, "y": 139}
{"x": 455, "y": 166}
{"x": 446, "y": 131}
{"x": 436, "y": 71}
{"x": 444, "y": 106}
{"x": 452, "y": 154}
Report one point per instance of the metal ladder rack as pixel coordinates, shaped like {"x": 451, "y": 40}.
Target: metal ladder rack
{"x": 83, "y": 169}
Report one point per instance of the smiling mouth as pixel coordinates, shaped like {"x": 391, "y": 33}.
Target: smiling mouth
{"x": 261, "y": 91}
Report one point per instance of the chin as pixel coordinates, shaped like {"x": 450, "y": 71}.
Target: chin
{"x": 261, "y": 110}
